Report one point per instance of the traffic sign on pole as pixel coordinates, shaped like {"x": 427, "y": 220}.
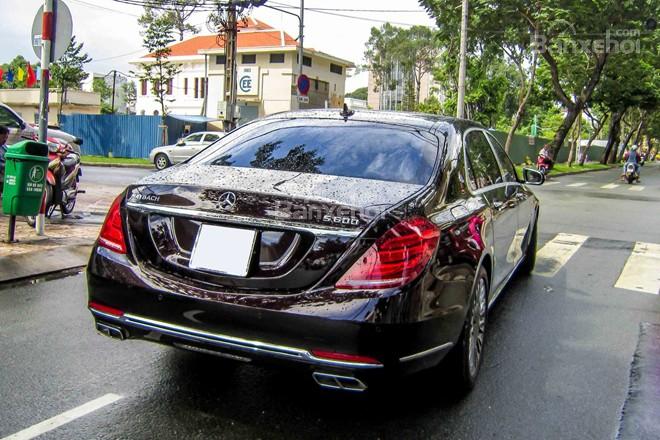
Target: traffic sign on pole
{"x": 303, "y": 84}
{"x": 60, "y": 29}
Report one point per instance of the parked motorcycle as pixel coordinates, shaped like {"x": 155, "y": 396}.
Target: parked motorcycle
{"x": 62, "y": 178}
{"x": 630, "y": 174}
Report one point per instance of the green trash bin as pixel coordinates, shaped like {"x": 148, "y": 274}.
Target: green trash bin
{"x": 26, "y": 164}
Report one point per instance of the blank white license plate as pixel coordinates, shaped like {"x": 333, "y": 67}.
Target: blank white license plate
{"x": 223, "y": 250}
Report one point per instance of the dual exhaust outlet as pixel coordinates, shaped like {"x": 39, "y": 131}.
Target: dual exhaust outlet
{"x": 324, "y": 380}
{"x": 110, "y": 331}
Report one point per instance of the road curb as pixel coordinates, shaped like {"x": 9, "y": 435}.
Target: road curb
{"x": 572, "y": 173}
{"x": 117, "y": 165}
{"x": 34, "y": 264}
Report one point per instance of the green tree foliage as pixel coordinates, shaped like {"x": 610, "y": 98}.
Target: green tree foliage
{"x": 67, "y": 73}
{"x": 572, "y": 38}
{"x": 360, "y": 93}
{"x": 399, "y": 58}
{"x": 175, "y": 13}
{"x": 100, "y": 86}
{"x": 160, "y": 72}
{"x": 129, "y": 93}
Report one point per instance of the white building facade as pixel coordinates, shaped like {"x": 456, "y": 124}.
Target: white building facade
{"x": 267, "y": 73}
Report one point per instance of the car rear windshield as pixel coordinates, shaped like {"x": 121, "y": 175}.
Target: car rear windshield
{"x": 352, "y": 149}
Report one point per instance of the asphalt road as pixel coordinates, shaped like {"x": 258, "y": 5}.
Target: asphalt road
{"x": 113, "y": 176}
{"x": 557, "y": 366}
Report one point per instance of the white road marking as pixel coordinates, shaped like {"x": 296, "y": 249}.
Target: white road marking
{"x": 556, "y": 253}
{"x": 552, "y": 182}
{"x": 64, "y": 418}
{"x": 577, "y": 184}
{"x": 642, "y": 270}
{"x": 610, "y": 186}
{"x": 636, "y": 188}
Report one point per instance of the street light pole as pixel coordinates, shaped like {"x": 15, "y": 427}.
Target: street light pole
{"x": 460, "y": 104}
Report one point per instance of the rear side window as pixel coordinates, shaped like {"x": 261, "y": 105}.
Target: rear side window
{"x": 194, "y": 138}
{"x": 211, "y": 138}
{"x": 337, "y": 148}
{"x": 482, "y": 166}
{"x": 508, "y": 168}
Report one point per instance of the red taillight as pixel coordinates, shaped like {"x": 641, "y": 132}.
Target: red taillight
{"x": 343, "y": 357}
{"x": 105, "y": 309}
{"x": 112, "y": 233}
{"x": 397, "y": 258}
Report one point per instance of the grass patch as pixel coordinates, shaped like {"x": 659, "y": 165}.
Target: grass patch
{"x": 114, "y": 160}
{"x": 561, "y": 168}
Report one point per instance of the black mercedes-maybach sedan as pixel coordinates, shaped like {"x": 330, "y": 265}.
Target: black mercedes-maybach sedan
{"x": 359, "y": 245}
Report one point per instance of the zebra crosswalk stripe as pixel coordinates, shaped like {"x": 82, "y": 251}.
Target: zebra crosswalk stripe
{"x": 610, "y": 186}
{"x": 577, "y": 184}
{"x": 636, "y": 188}
{"x": 642, "y": 269}
{"x": 556, "y": 253}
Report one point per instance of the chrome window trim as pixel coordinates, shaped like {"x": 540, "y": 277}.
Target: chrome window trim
{"x": 231, "y": 342}
{"x": 472, "y": 189}
{"x": 240, "y": 220}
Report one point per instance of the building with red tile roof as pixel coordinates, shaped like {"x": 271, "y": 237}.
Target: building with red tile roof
{"x": 267, "y": 67}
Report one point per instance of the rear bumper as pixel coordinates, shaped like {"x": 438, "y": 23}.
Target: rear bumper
{"x": 230, "y": 346}
{"x": 280, "y": 328}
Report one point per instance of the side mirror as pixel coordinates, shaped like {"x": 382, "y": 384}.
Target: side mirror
{"x": 533, "y": 177}
{"x": 181, "y": 143}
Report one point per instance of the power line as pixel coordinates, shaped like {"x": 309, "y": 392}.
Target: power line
{"x": 117, "y": 56}
{"x": 95, "y": 6}
{"x": 289, "y": 6}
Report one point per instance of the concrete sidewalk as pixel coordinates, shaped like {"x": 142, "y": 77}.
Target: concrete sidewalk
{"x": 66, "y": 245}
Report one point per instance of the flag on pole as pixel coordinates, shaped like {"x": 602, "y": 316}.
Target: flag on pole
{"x": 2, "y": 74}
{"x": 10, "y": 76}
{"x": 31, "y": 77}
{"x": 20, "y": 74}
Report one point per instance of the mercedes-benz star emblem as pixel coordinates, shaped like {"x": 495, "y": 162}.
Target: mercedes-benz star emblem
{"x": 227, "y": 201}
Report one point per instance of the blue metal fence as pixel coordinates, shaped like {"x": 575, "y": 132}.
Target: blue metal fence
{"x": 123, "y": 135}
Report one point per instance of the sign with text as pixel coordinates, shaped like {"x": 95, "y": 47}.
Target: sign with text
{"x": 248, "y": 81}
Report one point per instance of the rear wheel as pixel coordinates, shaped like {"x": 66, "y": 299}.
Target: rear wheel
{"x": 466, "y": 357}
{"x": 161, "y": 161}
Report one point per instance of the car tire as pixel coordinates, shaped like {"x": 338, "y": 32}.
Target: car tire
{"x": 161, "y": 161}
{"x": 529, "y": 259}
{"x": 464, "y": 361}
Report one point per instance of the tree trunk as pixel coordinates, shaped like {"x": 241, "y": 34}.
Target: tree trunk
{"x": 639, "y": 132}
{"x": 613, "y": 138}
{"x": 576, "y": 139}
{"x": 521, "y": 106}
{"x": 625, "y": 143}
{"x": 585, "y": 153}
{"x": 564, "y": 128}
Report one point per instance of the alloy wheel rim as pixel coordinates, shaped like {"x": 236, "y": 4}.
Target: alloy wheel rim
{"x": 160, "y": 162}
{"x": 477, "y": 328}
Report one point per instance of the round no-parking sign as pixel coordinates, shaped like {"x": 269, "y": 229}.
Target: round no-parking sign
{"x": 303, "y": 84}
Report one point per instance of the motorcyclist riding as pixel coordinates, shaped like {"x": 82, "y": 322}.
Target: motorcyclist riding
{"x": 632, "y": 156}
{"x": 544, "y": 161}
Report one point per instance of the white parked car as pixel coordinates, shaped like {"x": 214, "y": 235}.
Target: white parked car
{"x": 167, "y": 155}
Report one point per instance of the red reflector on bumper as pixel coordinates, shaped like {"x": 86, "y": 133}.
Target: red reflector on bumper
{"x": 105, "y": 309}
{"x": 343, "y": 357}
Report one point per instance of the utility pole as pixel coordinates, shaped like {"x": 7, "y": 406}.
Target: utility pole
{"x": 47, "y": 34}
{"x": 301, "y": 27}
{"x": 460, "y": 104}
{"x": 114, "y": 80}
{"x": 230, "y": 67}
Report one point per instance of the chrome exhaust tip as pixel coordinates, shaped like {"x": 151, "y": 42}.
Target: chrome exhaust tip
{"x": 110, "y": 331}
{"x": 337, "y": 382}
